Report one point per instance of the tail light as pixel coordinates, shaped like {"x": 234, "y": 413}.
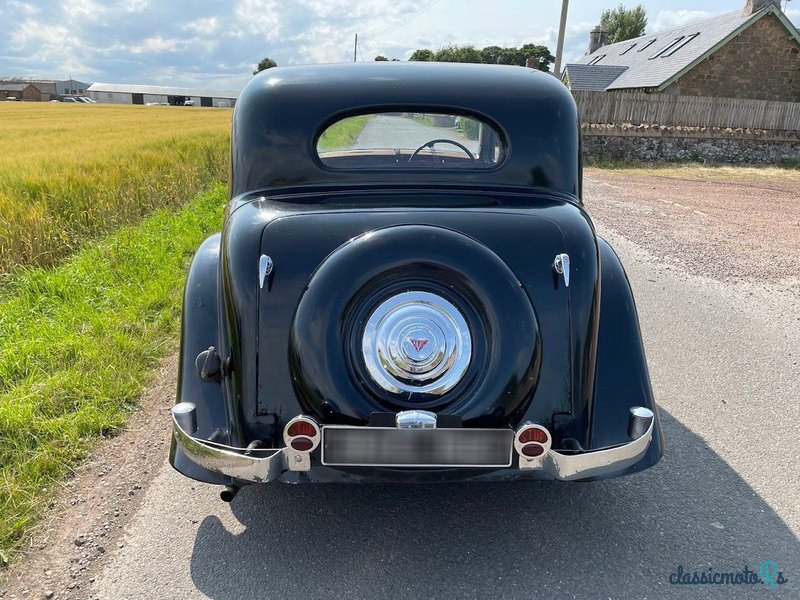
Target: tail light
{"x": 301, "y": 434}
{"x": 532, "y": 441}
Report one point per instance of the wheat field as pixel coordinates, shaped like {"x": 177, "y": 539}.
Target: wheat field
{"x": 71, "y": 172}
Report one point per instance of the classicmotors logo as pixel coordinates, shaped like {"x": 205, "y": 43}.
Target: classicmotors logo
{"x": 767, "y": 574}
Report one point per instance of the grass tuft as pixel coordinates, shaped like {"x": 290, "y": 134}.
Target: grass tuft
{"x": 78, "y": 342}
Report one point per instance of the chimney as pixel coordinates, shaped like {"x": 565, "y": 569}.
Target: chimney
{"x": 598, "y": 37}
{"x": 753, "y": 6}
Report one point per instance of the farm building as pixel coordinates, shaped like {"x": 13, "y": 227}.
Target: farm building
{"x": 71, "y": 87}
{"x": 30, "y": 90}
{"x": 123, "y": 93}
{"x": 43, "y": 89}
{"x": 751, "y": 53}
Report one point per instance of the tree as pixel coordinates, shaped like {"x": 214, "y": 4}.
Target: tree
{"x": 492, "y": 55}
{"x": 423, "y": 55}
{"x": 459, "y": 54}
{"x": 264, "y": 64}
{"x": 381, "y": 58}
{"x": 624, "y": 23}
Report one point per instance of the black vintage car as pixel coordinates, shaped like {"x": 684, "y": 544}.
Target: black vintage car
{"x": 407, "y": 287}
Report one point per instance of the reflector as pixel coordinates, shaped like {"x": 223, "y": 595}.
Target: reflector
{"x": 302, "y": 444}
{"x": 532, "y": 450}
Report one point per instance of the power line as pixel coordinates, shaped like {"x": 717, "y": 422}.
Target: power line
{"x": 397, "y": 26}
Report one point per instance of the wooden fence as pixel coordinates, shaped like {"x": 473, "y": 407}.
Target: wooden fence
{"x": 692, "y": 111}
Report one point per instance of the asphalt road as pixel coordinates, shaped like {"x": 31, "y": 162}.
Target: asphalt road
{"x": 389, "y": 131}
{"x": 724, "y": 364}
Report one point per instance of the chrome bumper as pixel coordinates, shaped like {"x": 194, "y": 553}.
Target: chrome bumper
{"x": 263, "y": 465}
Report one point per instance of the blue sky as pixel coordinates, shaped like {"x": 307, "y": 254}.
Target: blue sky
{"x": 213, "y": 43}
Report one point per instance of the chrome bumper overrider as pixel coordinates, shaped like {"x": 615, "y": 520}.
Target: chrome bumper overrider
{"x": 263, "y": 465}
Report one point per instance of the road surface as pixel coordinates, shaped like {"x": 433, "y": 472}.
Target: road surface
{"x": 389, "y": 131}
{"x": 724, "y": 363}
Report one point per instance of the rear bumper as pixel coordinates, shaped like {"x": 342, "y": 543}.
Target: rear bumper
{"x": 264, "y": 465}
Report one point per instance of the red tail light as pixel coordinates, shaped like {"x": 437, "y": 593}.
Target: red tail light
{"x": 303, "y": 428}
{"x": 302, "y": 434}
{"x": 533, "y": 434}
{"x": 531, "y": 441}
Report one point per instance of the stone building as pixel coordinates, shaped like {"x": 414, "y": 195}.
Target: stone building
{"x": 750, "y": 53}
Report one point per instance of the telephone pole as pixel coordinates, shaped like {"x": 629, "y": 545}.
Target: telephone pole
{"x": 560, "y": 45}
{"x": 355, "y": 48}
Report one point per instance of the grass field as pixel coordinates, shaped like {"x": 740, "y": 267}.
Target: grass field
{"x": 71, "y": 172}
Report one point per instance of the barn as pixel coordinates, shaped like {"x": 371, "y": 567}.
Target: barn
{"x": 124, "y": 93}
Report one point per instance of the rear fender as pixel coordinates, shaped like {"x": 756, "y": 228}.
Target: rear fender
{"x": 622, "y": 378}
{"x": 199, "y": 331}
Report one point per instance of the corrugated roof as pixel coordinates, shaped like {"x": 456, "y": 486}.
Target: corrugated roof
{"x": 160, "y": 90}
{"x": 13, "y": 87}
{"x": 593, "y": 78}
{"x": 674, "y": 49}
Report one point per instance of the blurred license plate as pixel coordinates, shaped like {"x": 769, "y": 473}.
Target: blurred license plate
{"x": 391, "y": 447}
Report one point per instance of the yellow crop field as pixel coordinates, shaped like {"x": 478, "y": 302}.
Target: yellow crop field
{"x": 70, "y": 172}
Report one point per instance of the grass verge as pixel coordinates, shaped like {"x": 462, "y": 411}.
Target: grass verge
{"x": 342, "y": 134}
{"x": 77, "y": 345}
{"x": 699, "y": 171}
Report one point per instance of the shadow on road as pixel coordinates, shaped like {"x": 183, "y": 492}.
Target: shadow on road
{"x": 613, "y": 539}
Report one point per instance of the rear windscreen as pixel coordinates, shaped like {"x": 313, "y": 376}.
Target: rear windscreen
{"x": 410, "y": 140}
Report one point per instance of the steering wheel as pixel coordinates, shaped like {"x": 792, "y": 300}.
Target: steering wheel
{"x": 441, "y": 141}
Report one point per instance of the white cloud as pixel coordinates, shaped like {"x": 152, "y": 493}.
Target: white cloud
{"x": 668, "y": 19}
{"x": 203, "y": 26}
{"x": 156, "y": 45}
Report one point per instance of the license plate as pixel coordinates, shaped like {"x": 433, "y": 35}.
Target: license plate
{"x": 391, "y": 447}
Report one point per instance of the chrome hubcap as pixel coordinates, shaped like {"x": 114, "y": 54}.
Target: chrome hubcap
{"x": 416, "y": 342}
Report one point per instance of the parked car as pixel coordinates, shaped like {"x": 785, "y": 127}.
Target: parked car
{"x": 69, "y": 99}
{"x": 390, "y": 299}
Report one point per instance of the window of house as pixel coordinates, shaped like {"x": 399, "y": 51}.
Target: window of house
{"x": 628, "y": 48}
{"x": 679, "y": 45}
{"x": 668, "y": 47}
{"x": 597, "y": 59}
{"x": 648, "y": 44}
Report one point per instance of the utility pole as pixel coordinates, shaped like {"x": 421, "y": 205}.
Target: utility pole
{"x": 355, "y": 48}
{"x": 560, "y": 46}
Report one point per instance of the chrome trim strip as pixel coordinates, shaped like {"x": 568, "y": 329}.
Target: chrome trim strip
{"x": 230, "y": 461}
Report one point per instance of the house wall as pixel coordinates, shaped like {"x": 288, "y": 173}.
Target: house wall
{"x": 763, "y": 63}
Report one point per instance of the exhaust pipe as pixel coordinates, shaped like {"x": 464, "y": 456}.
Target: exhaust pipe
{"x": 228, "y": 493}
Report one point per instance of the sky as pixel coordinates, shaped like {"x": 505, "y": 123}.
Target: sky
{"x": 216, "y": 43}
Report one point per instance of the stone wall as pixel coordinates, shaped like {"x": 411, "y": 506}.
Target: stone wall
{"x": 629, "y": 143}
{"x": 763, "y": 63}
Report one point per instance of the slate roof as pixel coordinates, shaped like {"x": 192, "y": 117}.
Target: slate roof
{"x": 593, "y": 78}
{"x": 652, "y": 61}
{"x": 160, "y": 90}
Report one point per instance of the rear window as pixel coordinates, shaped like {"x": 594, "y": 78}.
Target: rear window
{"x": 409, "y": 140}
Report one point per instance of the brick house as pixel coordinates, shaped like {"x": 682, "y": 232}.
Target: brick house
{"x": 750, "y": 53}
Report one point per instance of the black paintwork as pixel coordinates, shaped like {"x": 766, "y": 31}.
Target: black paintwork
{"x": 583, "y": 365}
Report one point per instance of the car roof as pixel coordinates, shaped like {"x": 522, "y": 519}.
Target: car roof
{"x": 282, "y": 110}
